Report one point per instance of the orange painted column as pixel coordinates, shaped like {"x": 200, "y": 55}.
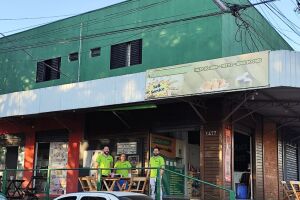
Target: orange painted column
{"x": 29, "y": 154}
{"x": 75, "y": 138}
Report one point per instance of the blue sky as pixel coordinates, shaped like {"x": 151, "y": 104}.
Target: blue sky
{"x": 43, "y": 8}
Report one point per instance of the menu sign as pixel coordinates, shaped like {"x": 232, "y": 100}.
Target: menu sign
{"x": 127, "y": 148}
{"x": 223, "y": 74}
{"x": 58, "y": 159}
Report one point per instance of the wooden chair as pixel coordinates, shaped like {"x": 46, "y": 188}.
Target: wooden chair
{"x": 296, "y": 189}
{"x": 88, "y": 183}
{"x": 289, "y": 194}
{"x": 138, "y": 184}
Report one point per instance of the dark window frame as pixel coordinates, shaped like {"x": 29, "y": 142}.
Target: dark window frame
{"x": 95, "y": 54}
{"x": 126, "y": 54}
{"x": 48, "y": 70}
{"x": 73, "y": 56}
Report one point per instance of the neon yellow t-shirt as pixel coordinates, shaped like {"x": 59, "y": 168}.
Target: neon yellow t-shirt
{"x": 104, "y": 162}
{"x": 123, "y": 172}
{"x": 156, "y": 162}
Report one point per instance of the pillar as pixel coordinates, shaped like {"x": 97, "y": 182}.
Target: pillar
{"x": 29, "y": 154}
{"x": 212, "y": 151}
{"x": 75, "y": 137}
{"x": 270, "y": 161}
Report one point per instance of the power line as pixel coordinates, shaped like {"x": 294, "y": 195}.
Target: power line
{"x": 73, "y": 39}
{"x": 87, "y": 23}
{"x": 35, "y": 18}
{"x": 47, "y": 65}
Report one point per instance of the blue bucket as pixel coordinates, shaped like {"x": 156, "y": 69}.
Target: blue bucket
{"x": 241, "y": 191}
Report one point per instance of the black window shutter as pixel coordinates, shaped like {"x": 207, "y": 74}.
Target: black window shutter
{"x": 136, "y": 52}
{"x": 40, "y": 72}
{"x": 55, "y": 68}
{"x": 118, "y": 55}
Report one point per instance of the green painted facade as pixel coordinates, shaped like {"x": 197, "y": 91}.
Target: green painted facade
{"x": 182, "y": 42}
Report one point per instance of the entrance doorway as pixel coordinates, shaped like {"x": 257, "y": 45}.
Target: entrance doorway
{"x": 11, "y": 159}
{"x": 181, "y": 150}
{"x": 243, "y": 166}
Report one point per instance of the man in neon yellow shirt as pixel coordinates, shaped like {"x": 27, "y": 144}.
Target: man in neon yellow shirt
{"x": 156, "y": 161}
{"x": 123, "y": 168}
{"x": 105, "y": 161}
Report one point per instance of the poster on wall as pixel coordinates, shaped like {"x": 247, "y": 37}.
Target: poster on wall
{"x": 240, "y": 72}
{"x": 128, "y": 148}
{"x": 167, "y": 145}
{"x": 228, "y": 146}
{"x": 58, "y": 159}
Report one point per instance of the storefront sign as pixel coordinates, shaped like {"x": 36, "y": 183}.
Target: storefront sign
{"x": 127, "y": 148}
{"x": 228, "y": 146}
{"x": 224, "y": 74}
{"x": 58, "y": 159}
{"x": 167, "y": 145}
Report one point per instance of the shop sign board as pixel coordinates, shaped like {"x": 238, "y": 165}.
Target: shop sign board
{"x": 58, "y": 159}
{"x": 166, "y": 145}
{"x": 247, "y": 71}
{"x": 128, "y": 148}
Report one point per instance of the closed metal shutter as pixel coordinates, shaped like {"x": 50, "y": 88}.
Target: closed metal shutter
{"x": 291, "y": 162}
{"x": 52, "y": 136}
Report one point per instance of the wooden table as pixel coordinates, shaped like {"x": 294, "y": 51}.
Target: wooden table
{"x": 14, "y": 189}
{"x": 109, "y": 183}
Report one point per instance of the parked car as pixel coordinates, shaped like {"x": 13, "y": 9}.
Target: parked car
{"x": 103, "y": 196}
{"x": 2, "y": 196}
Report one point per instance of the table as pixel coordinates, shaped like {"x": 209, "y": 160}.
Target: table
{"x": 14, "y": 189}
{"x": 109, "y": 183}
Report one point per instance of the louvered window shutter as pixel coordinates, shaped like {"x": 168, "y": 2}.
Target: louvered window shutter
{"x": 40, "y": 72}
{"x": 55, "y": 68}
{"x": 118, "y": 55}
{"x": 136, "y": 52}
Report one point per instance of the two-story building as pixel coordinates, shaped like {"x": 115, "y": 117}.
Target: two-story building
{"x": 218, "y": 94}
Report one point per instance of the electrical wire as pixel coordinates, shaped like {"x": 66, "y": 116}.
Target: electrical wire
{"x": 111, "y": 38}
{"x": 47, "y": 65}
{"x": 86, "y": 37}
{"x": 89, "y": 22}
{"x": 35, "y": 18}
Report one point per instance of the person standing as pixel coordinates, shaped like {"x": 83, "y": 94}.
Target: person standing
{"x": 156, "y": 161}
{"x": 123, "y": 168}
{"x": 105, "y": 161}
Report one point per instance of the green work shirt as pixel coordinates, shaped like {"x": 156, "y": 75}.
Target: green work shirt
{"x": 123, "y": 172}
{"x": 156, "y": 162}
{"x": 104, "y": 162}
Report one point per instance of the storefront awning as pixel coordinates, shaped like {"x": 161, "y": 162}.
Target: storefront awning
{"x": 268, "y": 69}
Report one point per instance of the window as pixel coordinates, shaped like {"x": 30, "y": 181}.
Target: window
{"x": 48, "y": 70}
{"x": 126, "y": 54}
{"x": 73, "y": 56}
{"x": 69, "y": 198}
{"x": 93, "y": 198}
{"x": 95, "y": 52}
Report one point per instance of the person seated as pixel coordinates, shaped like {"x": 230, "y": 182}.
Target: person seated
{"x": 123, "y": 168}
